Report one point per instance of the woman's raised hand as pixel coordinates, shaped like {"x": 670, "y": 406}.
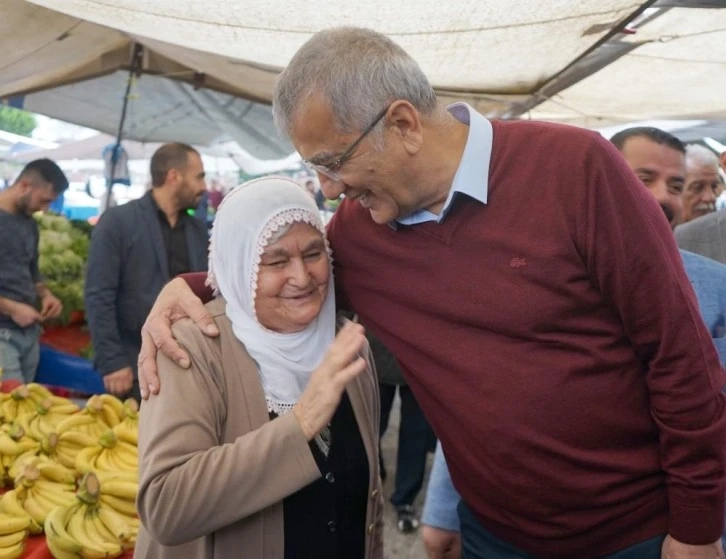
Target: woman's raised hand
{"x": 341, "y": 364}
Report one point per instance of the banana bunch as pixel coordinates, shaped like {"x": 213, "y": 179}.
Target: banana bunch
{"x": 43, "y": 486}
{"x": 14, "y": 444}
{"x": 118, "y": 491}
{"x": 102, "y": 412}
{"x": 46, "y": 417}
{"x": 13, "y": 533}
{"x": 18, "y": 403}
{"x": 68, "y": 444}
{"x": 109, "y": 455}
{"x": 88, "y": 529}
{"x": 128, "y": 429}
{"x": 10, "y": 505}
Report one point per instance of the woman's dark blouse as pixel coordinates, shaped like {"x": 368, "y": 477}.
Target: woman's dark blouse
{"x": 326, "y": 519}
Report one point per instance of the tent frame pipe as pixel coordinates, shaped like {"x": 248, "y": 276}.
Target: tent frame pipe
{"x": 137, "y": 56}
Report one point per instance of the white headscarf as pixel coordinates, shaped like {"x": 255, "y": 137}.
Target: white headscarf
{"x": 247, "y": 218}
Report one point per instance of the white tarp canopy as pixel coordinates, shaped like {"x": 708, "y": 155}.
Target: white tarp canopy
{"x": 589, "y": 62}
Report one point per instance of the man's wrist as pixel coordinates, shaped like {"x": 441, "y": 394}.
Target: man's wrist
{"x": 7, "y": 306}
{"x": 42, "y": 291}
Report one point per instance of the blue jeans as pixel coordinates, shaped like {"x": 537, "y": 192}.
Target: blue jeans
{"x": 19, "y": 353}
{"x": 478, "y": 543}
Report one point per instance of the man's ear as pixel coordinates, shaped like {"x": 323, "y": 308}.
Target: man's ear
{"x": 24, "y": 186}
{"x": 406, "y": 123}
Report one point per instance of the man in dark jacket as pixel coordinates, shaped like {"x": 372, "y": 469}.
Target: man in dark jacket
{"x": 135, "y": 249}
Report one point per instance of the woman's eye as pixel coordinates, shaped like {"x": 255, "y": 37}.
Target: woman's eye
{"x": 313, "y": 255}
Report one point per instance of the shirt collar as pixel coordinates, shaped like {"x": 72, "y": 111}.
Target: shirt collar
{"x": 472, "y": 176}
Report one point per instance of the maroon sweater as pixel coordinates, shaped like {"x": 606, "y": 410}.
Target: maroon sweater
{"x": 555, "y": 344}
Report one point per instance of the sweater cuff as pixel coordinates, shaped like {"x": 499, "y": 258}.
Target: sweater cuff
{"x": 106, "y": 367}
{"x": 697, "y": 525}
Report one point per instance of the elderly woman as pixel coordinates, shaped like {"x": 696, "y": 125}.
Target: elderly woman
{"x": 267, "y": 449}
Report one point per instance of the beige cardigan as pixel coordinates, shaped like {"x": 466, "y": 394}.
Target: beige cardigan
{"x": 214, "y": 469}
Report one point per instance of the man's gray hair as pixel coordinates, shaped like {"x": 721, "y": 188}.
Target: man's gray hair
{"x": 700, "y": 156}
{"x": 358, "y": 71}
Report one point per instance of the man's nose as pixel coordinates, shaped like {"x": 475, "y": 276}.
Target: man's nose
{"x": 332, "y": 189}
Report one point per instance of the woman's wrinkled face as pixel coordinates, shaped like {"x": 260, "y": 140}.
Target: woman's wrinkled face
{"x": 292, "y": 282}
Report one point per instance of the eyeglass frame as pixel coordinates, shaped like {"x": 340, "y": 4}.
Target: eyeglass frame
{"x": 328, "y": 170}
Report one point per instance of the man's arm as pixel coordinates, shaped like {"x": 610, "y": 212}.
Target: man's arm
{"x": 101, "y": 288}
{"x": 440, "y": 518}
{"x": 632, "y": 258}
{"x": 23, "y": 315}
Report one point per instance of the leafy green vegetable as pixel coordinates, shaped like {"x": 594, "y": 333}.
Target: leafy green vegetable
{"x": 63, "y": 253}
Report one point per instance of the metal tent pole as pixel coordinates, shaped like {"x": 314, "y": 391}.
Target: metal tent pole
{"x": 136, "y": 61}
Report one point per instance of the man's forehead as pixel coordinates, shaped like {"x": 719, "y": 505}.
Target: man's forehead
{"x": 703, "y": 169}
{"x": 644, "y": 149}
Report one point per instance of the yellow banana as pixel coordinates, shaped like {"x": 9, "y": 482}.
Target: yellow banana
{"x": 10, "y": 524}
{"x": 8, "y": 446}
{"x": 100, "y": 528}
{"x": 56, "y": 472}
{"x": 77, "y": 438}
{"x": 50, "y": 499}
{"x": 113, "y": 409}
{"x": 13, "y": 552}
{"x": 75, "y": 421}
{"x": 115, "y": 523}
{"x": 106, "y": 477}
{"x": 102, "y": 462}
{"x": 35, "y": 509}
{"x": 66, "y": 457}
{"x": 9, "y": 540}
{"x": 122, "y": 489}
{"x": 126, "y": 507}
{"x": 126, "y": 432}
{"x": 64, "y": 407}
{"x": 10, "y": 504}
{"x": 55, "y": 530}
{"x": 57, "y": 552}
{"x": 98, "y": 532}
{"x": 114, "y": 403}
{"x": 86, "y": 458}
{"x": 10, "y": 410}
{"x": 90, "y": 549}
{"x": 38, "y": 391}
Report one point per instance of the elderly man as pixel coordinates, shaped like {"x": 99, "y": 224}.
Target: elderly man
{"x": 703, "y": 183}
{"x": 533, "y": 296}
{"x": 659, "y": 160}
{"x": 705, "y": 235}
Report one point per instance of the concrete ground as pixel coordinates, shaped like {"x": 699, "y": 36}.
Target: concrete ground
{"x": 397, "y": 545}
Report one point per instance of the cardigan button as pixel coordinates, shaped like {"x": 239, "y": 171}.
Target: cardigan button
{"x": 332, "y": 526}
{"x": 330, "y": 477}
{"x": 371, "y": 527}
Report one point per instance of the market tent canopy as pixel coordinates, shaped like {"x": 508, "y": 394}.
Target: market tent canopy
{"x": 572, "y": 61}
{"x": 673, "y": 64}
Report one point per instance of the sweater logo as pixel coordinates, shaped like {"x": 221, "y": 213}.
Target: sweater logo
{"x": 517, "y": 262}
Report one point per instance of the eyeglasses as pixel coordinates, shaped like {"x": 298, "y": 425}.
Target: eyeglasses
{"x": 330, "y": 170}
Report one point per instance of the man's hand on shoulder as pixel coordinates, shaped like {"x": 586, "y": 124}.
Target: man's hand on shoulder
{"x": 673, "y": 549}
{"x": 176, "y": 301}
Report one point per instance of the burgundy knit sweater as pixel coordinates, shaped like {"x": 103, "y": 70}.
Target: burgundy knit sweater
{"x": 555, "y": 344}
